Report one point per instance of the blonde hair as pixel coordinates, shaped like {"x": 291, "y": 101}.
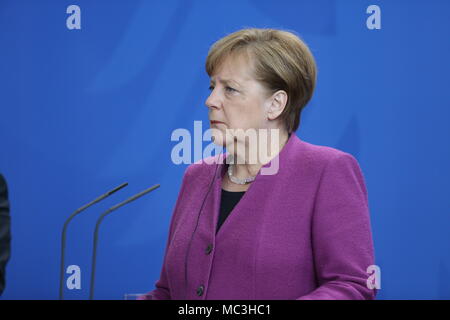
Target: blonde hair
{"x": 280, "y": 61}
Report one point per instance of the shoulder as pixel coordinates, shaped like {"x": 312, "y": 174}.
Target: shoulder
{"x": 334, "y": 167}
{"x": 202, "y": 170}
{"x": 2, "y": 184}
{"x": 321, "y": 157}
{"x": 337, "y": 173}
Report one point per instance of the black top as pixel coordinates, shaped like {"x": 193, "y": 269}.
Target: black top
{"x": 228, "y": 201}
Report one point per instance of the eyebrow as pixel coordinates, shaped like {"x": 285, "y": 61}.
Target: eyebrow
{"x": 226, "y": 81}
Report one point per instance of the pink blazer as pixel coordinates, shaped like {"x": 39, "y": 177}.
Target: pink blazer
{"x": 303, "y": 233}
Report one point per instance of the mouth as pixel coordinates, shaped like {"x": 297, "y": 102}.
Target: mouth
{"x": 216, "y": 122}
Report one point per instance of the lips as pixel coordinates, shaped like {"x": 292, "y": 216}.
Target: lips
{"x": 215, "y": 121}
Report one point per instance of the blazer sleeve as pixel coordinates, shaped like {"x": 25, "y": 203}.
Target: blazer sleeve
{"x": 162, "y": 291}
{"x": 5, "y": 232}
{"x": 341, "y": 233}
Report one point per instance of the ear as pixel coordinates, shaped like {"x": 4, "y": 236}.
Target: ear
{"x": 278, "y": 102}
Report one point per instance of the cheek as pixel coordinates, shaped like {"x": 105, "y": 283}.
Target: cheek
{"x": 254, "y": 115}
{"x": 245, "y": 113}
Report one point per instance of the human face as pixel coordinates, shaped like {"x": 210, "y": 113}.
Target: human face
{"x": 237, "y": 100}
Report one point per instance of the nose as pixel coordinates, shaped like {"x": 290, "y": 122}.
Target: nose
{"x": 213, "y": 100}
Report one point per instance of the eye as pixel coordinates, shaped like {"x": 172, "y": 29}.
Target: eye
{"x": 230, "y": 89}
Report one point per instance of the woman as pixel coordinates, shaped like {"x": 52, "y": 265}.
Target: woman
{"x": 298, "y": 231}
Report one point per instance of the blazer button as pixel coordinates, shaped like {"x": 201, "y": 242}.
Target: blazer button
{"x": 200, "y": 290}
{"x": 209, "y": 249}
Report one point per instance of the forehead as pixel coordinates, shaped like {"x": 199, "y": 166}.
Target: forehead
{"x": 233, "y": 69}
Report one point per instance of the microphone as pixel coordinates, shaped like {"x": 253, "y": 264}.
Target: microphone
{"x": 97, "y": 225}
{"x": 64, "y": 232}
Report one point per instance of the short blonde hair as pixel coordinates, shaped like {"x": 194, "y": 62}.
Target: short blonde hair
{"x": 280, "y": 61}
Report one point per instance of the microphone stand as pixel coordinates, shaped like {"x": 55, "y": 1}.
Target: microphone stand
{"x": 97, "y": 226}
{"x": 64, "y": 232}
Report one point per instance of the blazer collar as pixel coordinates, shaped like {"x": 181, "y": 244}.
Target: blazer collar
{"x": 281, "y": 156}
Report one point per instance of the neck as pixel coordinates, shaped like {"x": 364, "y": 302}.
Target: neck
{"x": 243, "y": 167}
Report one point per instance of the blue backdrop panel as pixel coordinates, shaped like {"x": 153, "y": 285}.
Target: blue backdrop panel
{"x": 85, "y": 110}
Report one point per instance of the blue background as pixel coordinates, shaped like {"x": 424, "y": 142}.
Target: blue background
{"x": 85, "y": 110}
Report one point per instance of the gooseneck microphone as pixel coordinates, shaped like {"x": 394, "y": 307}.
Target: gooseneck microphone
{"x": 64, "y": 232}
{"x": 97, "y": 225}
